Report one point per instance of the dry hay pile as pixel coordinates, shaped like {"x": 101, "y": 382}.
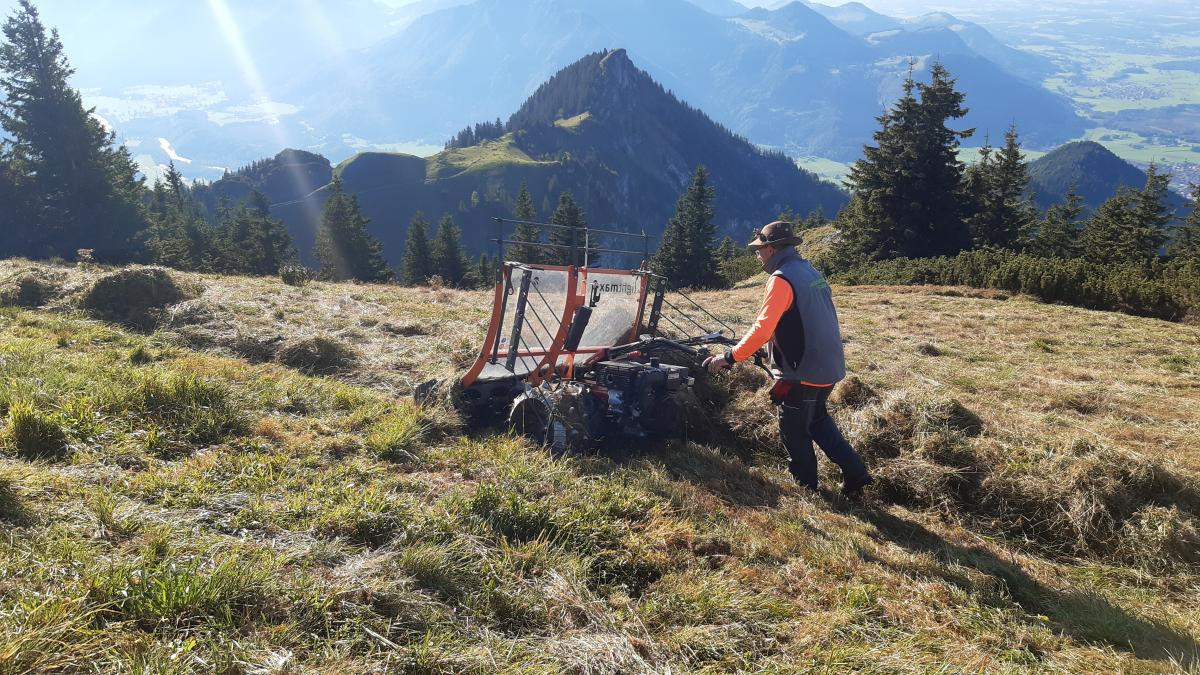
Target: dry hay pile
{"x": 133, "y": 297}
{"x": 1081, "y": 499}
{"x": 933, "y": 453}
{"x": 320, "y": 355}
{"x": 31, "y": 288}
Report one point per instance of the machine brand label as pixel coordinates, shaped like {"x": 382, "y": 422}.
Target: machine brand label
{"x": 598, "y": 289}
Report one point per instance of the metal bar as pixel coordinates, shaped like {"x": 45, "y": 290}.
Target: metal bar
{"x": 709, "y": 314}
{"x": 499, "y": 251}
{"x": 518, "y": 321}
{"x": 656, "y": 308}
{"x": 587, "y": 243}
{"x": 543, "y": 297}
{"x": 568, "y": 227}
{"x": 681, "y": 329}
{"x": 564, "y": 246}
{"x": 506, "y": 287}
{"x": 685, "y": 315}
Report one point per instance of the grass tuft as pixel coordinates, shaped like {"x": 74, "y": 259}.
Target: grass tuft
{"x": 35, "y": 434}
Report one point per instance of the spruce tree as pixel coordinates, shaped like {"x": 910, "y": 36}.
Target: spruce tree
{"x": 1186, "y": 242}
{"x": 250, "y": 241}
{"x": 998, "y": 190}
{"x": 1151, "y": 214}
{"x": 344, "y": 249}
{"x": 448, "y": 260}
{"x": 485, "y": 271}
{"x": 906, "y": 199}
{"x": 1057, "y": 235}
{"x": 727, "y": 250}
{"x": 13, "y": 215}
{"x": 177, "y": 234}
{"x": 571, "y": 236}
{"x": 84, "y": 191}
{"x": 1130, "y": 226}
{"x": 417, "y": 265}
{"x": 525, "y": 232}
{"x": 687, "y": 256}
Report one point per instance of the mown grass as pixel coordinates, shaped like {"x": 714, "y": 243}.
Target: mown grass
{"x": 218, "y": 515}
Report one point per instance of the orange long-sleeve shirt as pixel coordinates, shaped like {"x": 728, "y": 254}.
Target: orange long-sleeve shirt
{"x": 776, "y": 300}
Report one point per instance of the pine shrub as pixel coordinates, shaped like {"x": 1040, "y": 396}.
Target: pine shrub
{"x": 1169, "y": 291}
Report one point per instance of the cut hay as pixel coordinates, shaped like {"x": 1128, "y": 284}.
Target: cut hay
{"x": 31, "y": 289}
{"x": 852, "y": 392}
{"x": 133, "y": 297}
{"x": 319, "y": 355}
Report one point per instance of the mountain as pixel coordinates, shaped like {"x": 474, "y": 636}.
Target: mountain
{"x": 787, "y": 78}
{"x": 856, "y": 18}
{"x": 1094, "y": 171}
{"x": 721, "y": 7}
{"x": 289, "y": 176}
{"x": 602, "y": 129}
{"x": 1028, "y": 65}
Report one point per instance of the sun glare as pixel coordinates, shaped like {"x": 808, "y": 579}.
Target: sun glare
{"x": 237, "y": 44}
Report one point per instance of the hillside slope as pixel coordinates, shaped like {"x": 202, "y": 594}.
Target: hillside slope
{"x": 1093, "y": 170}
{"x": 213, "y": 513}
{"x": 601, "y": 129}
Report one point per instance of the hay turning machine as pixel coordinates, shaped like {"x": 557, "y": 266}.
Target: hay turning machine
{"x": 575, "y": 353}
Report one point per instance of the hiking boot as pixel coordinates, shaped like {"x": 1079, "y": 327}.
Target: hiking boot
{"x": 854, "y": 488}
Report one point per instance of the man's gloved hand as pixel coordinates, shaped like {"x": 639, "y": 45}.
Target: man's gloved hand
{"x": 715, "y": 364}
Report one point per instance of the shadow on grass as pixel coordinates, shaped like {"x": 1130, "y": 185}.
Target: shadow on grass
{"x": 727, "y": 477}
{"x": 1082, "y": 615}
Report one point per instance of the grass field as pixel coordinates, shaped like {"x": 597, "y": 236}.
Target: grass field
{"x": 197, "y": 499}
{"x": 486, "y": 155}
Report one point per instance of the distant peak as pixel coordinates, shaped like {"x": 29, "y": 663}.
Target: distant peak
{"x": 616, "y": 57}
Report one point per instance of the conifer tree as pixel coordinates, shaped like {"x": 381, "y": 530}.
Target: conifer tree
{"x": 177, "y": 234}
{"x": 998, "y": 188}
{"x": 727, "y": 250}
{"x": 1130, "y": 226}
{"x": 13, "y": 214}
{"x": 448, "y": 260}
{"x": 1186, "y": 242}
{"x": 816, "y": 218}
{"x": 1057, "y": 235}
{"x": 251, "y": 241}
{"x": 417, "y": 265}
{"x": 524, "y": 232}
{"x": 905, "y": 190}
{"x": 687, "y": 256}
{"x": 344, "y": 249}
{"x": 83, "y": 191}
{"x": 571, "y": 235}
{"x": 485, "y": 271}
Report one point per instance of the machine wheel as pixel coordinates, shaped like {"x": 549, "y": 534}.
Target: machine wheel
{"x": 555, "y": 419}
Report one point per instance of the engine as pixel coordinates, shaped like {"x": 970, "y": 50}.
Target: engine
{"x": 638, "y": 396}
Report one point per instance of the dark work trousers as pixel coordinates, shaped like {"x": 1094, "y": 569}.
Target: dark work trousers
{"x": 804, "y": 419}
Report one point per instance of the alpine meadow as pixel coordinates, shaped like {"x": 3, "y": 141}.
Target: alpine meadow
{"x": 599, "y": 336}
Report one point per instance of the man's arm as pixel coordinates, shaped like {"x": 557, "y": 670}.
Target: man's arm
{"x": 777, "y": 299}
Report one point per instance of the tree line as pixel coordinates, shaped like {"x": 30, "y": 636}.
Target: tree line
{"x": 917, "y": 212}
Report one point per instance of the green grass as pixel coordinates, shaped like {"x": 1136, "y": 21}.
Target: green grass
{"x": 573, "y": 122}
{"x": 487, "y": 155}
{"x": 217, "y": 515}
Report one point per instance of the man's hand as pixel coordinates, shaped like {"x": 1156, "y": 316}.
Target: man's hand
{"x": 715, "y": 364}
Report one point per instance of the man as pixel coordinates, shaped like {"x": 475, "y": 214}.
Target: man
{"x": 799, "y": 322}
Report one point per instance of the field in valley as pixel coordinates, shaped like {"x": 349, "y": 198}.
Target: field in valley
{"x": 243, "y": 485}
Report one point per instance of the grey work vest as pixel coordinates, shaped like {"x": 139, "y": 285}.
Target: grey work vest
{"x": 807, "y": 343}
